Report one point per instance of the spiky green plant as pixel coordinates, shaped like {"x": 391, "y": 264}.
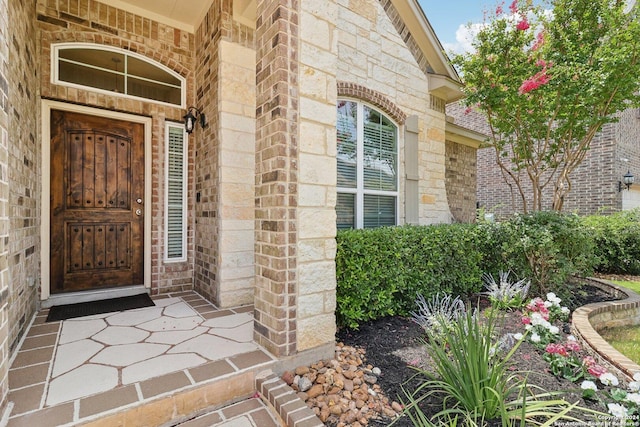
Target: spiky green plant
{"x": 474, "y": 382}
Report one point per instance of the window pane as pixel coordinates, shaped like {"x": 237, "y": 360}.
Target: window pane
{"x": 347, "y": 132}
{"x": 380, "y": 152}
{"x": 151, "y": 90}
{"x": 118, "y": 72}
{"x": 345, "y": 210}
{"x": 85, "y": 76}
{"x": 139, "y": 68}
{"x": 105, "y": 59}
{"x": 379, "y": 210}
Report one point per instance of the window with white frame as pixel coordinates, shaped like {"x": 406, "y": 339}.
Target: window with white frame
{"x": 367, "y": 164}
{"x": 116, "y": 71}
{"x": 176, "y": 193}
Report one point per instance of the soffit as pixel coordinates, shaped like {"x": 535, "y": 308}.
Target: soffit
{"x": 185, "y": 15}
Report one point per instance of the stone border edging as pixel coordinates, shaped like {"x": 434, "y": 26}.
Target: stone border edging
{"x": 582, "y": 328}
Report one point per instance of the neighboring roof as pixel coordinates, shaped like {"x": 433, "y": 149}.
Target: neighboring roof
{"x": 462, "y": 135}
{"x": 445, "y": 81}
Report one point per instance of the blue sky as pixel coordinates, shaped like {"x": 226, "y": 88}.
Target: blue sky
{"x": 450, "y": 16}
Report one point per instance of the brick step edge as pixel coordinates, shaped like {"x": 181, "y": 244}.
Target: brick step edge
{"x": 286, "y": 403}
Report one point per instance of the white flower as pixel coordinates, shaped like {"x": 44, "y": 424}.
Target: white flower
{"x": 588, "y": 385}
{"x": 517, "y": 336}
{"x": 548, "y": 304}
{"x": 565, "y": 310}
{"x": 633, "y": 398}
{"x": 535, "y": 337}
{"x": 608, "y": 379}
{"x": 571, "y": 338}
{"x": 634, "y": 386}
{"x": 617, "y": 410}
{"x": 528, "y": 327}
{"x": 553, "y": 299}
{"x": 636, "y": 376}
{"x": 537, "y": 319}
{"x": 554, "y": 329}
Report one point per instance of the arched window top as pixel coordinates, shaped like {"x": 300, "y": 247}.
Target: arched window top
{"x": 116, "y": 71}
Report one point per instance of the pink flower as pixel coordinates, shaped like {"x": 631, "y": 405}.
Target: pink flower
{"x": 526, "y": 320}
{"x": 499, "y": 10}
{"x": 596, "y": 370}
{"x": 467, "y": 110}
{"x": 523, "y": 25}
{"x": 558, "y": 349}
{"x": 588, "y": 361}
{"x": 532, "y": 83}
{"x": 535, "y": 303}
{"x": 539, "y": 41}
{"x": 572, "y": 346}
{"x": 514, "y": 6}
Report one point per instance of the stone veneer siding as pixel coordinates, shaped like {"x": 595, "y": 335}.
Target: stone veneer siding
{"x": 93, "y": 22}
{"x": 295, "y": 175}
{"x": 317, "y": 148}
{"x": 225, "y": 150}
{"x": 376, "y": 53}
{"x": 461, "y": 181}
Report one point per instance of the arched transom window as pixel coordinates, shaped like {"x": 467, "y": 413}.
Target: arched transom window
{"x": 367, "y": 156}
{"x": 116, "y": 71}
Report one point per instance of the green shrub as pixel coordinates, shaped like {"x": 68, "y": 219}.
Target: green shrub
{"x": 547, "y": 247}
{"x": 617, "y": 239}
{"x": 381, "y": 271}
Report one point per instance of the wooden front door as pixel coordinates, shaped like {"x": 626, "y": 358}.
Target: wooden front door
{"x": 97, "y": 221}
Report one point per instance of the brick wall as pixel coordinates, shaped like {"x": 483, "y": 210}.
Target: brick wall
{"x": 594, "y": 182}
{"x": 23, "y": 170}
{"x": 461, "y": 181}
{"x": 93, "y": 22}
{"x": 4, "y": 206}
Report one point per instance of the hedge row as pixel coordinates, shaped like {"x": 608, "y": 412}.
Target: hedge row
{"x": 380, "y": 271}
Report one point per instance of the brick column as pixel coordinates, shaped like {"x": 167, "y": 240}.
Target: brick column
{"x": 295, "y": 175}
{"x": 276, "y": 175}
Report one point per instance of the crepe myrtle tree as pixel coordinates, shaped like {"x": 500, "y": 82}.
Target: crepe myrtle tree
{"x": 548, "y": 76}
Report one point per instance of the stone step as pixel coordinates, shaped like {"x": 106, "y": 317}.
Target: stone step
{"x": 163, "y": 400}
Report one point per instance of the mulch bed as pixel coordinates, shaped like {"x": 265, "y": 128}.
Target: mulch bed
{"x": 393, "y": 344}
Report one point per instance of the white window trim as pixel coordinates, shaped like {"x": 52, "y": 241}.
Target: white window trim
{"x": 185, "y": 176}
{"x": 55, "y": 78}
{"x": 360, "y": 191}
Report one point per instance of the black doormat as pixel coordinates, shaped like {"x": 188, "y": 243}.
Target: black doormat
{"x": 70, "y": 311}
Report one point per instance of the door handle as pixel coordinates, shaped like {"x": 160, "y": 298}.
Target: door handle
{"x": 138, "y": 212}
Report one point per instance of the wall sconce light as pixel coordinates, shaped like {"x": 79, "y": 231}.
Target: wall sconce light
{"x": 627, "y": 180}
{"x": 193, "y": 115}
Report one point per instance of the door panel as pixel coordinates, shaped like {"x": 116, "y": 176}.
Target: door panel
{"x": 97, "y": 226}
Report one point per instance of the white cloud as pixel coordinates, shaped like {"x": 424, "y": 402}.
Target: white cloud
{"x": 465, "y": 34}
